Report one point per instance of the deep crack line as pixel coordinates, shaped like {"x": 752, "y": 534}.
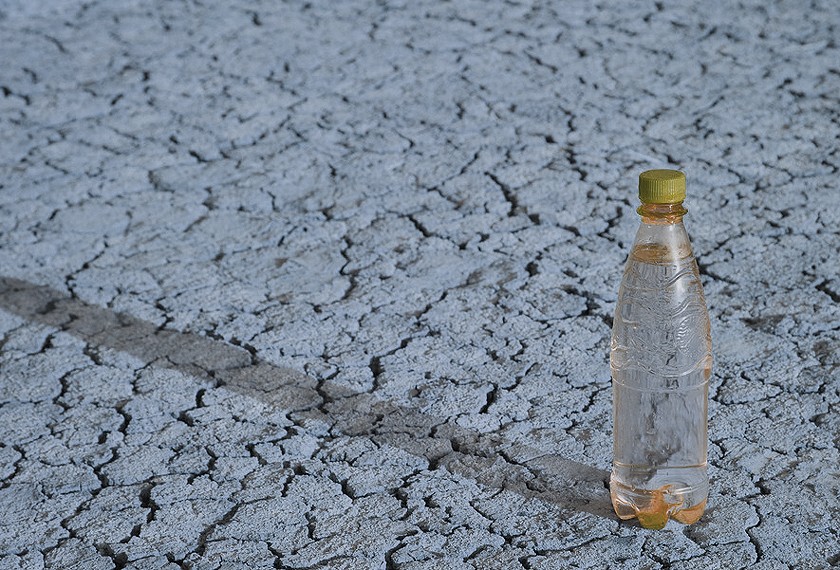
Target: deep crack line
{"x": 507, "y": 192}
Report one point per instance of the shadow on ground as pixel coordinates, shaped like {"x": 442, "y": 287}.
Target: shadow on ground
{"x": 486, "y": 459}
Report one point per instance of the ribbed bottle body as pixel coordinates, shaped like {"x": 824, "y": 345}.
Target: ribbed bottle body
{"x": 660, "y": 361}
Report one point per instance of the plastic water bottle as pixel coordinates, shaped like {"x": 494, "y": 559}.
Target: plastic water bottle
{"x": 660, "y": 359}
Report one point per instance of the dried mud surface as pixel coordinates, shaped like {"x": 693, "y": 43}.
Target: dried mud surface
{"x": 303, "y": 285}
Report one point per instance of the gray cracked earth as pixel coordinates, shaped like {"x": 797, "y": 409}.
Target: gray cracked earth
{"x": 329, "y": 285}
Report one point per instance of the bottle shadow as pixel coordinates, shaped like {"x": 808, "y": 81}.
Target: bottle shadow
{"x": 487, "y": 459}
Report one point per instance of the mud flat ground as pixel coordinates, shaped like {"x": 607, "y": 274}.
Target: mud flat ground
{"x": 329, "y": 285}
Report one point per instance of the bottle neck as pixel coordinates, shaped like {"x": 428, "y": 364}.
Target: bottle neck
{"x": 661, "y": 214}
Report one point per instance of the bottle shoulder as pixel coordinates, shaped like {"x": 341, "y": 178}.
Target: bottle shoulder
{"x": 661, "y": 320}
{"x": 662, "y": 244}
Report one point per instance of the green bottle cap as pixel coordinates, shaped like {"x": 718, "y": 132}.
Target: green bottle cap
{"x": 662, "y": 187}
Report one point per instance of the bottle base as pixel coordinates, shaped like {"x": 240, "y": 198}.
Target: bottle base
{"x": 653, "y": 508}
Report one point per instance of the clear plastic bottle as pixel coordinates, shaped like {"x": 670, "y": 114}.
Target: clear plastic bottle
{"x": 660, "y": 359}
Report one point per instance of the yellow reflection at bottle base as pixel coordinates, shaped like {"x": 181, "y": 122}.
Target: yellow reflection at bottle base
{"x": 654, "y": 511}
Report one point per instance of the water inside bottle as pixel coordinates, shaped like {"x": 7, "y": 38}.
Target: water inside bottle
{"x": 660, "y": 363}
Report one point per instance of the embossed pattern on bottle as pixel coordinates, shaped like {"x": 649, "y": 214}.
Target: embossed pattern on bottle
{"x": 660, "y": 360}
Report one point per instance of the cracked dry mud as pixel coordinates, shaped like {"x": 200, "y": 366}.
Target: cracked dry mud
{"x": 329, "y": 285}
